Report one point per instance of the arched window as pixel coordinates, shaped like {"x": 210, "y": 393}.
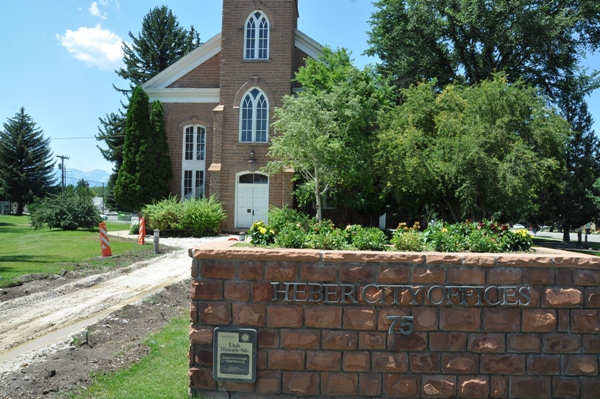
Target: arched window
{"x": 254, "y": 117}
{"x": 256, "y": 40}
{"x": 193, "y": 163}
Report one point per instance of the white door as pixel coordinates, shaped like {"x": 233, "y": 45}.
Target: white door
{"x": 252, "y": 199}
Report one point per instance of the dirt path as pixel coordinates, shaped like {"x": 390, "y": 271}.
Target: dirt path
{"x": 32, "y": 322}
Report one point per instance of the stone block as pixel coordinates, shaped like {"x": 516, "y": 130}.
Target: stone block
{"x": 592, "y": 297}
{"x": 214, "y": 313}
{"x": 213, "y": 269}
{"x": 498, "y": 386}
{"x": 368, "y": 340}
{"x": 473, "y": 387}
{"x": 586, "y": 365}
{"x": 300, "y": 339}
{"x": 249, "y": 314}
{"x": 501, "y": 320}
{"x": 301, "y": 383}
{"x": 590, "y": 388}
{"x": 425, "y": 318}
{"x": 466, "y": 276}
{"x": 336, "y": 384}
{"x": 357, "y": 273}
{"x": 207, "y": 290}
{"x": 321, "y": 272}
{"x": 448, "y": 341}
{"x": 425, "y": 363}
{"x": 262, "y": 292}
{"x": 486, "y": 343}
{"x": 566, "y": 387}
{"x": 561, "y": 343}
{"x": 323, "y": 360}
{"x": 460, "y": 319}
{"x": 414, "y": 342}
{"x": 591, "y": 343}
{"x": 268, "y": 382}
{"x": 284, "y": 316}
{"x": 585, "y": 321}
{"x": 268, "y": 338}
{"x": 339, "y": 340}
{"x": 389, "y": 362}
{"x": 586, "y": 277}
{"x": 504, "y": 276}
{"x": 524, "y": 343}
{"x": 538, "y": 276}
{"x": 401, "y": 385}
{"x": 393, "y": 274}
{"x": 279, "y": 359}
{"x": 529, "y": 387}
{"x": 201, "y": 379}
{"x": 201, "y": 335}
{"x": 359, "y": 318}
{"x": 369, "y": 384}
{"x": 251, "y": 271}
{"x": 460, "y": 363}
{"x": 284, "y": 271}
{"x": 557, "y": 297}
{"x": 539, "y": 320}
{"x": 438, "y": 386}
{"x": 503, "y": 364}
{"x": 543, "y": 365}
{"x": 237, "y": 291}
{"x": 356, "y": 361}
{"x": 323, "y": 316}
{"x": 429, "y": 275}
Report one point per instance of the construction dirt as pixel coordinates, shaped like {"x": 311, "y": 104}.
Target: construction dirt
{"x": 56, "y": 332}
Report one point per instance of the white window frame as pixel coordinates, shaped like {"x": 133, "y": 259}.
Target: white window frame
{"x": 257, "y": 33}
{"x": 193, "y": 161}
{"x": 252, "y": 102}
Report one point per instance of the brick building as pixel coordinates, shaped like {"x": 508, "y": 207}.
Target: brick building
{"x": 219, "y": 101}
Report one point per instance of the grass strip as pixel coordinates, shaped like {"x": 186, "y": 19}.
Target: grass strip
{"x": 161, "y": 374}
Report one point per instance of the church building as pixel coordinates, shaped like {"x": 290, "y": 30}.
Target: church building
{"x": 219, "y": 100}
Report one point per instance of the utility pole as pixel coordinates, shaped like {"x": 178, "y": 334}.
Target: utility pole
{"x": 63, "y": 170}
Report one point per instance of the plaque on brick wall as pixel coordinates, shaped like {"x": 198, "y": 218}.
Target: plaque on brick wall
{"x": 234, "y": 354}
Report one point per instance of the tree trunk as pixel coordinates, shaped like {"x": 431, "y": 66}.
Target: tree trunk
{"x": 566, "y": 232}
{"x": 318, "y": 196}
{"x": 20, "y": 207}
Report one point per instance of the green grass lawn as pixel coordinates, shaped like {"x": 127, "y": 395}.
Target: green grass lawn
{"x": 24, "y": 250}
{"x": 161, "y": 374}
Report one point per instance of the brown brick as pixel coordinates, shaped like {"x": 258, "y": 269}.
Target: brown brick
{"x": 336, "y": 384}
{"x": 425, "y": 363}
{"x": 201, "y": 335}
{"x": 237, "y": 291}
{"x": 563, "y": 297}
{"x": 566, "y": 387}
{"x": 425, "y": 318}
{"x": 323, "y": 360}
{"x": 389, "y": 362}
{"x": 413, "y": 342}
{"x": 592, "y": 297}
{"x": 393, "y": 274}
{"x": 523, "y": 343}
{"x": 249, "y": 271}
{"x": 262, "y": 292}
{"x": 286, "y": 359}
{"x": 487, "y": 343}
{"x": 473, "y": 387}
{"x": 268, "y": 382}
{"x": 323, "y": 316}
{"x": 319, "y": 272}
{"x": 564, "y": 320}
{"x": 217, "y": 269}
{"x": 538, "y": 276}
{"x": 383, "y": 323}
{"x": 539, "y": 320}
{"x": 203, "y": 357}
{"x": 249, "y": 314}
{"x": 590, "y": 388}
{"x": 201, "y": 379}
{"x": 371, "y": 340}
{"x": 530, "y": 387}
{"x": 503, "y": 364}
{"x": 591, "y": 343}
{"x": 401, "y": 386}
{"x": 207, "y": 289}
{"x": 503, "y": 276}
{"x": 301, "y": 383}
{"x": 357, "y": 273}
{"x": 194, "y": 312}
{"x": 446, "y": 259}
{"x": 466, "y": 275}
{"x": 561, "y": 343}
{"x": 356, "y": 361}
{"x": 300, "y": 339}
{"x": 564, "y": 277}
{"x": 268, "y": 338}
{"x": 543, "y": 365}
{"x": 498, "y": 387}
{"x": 438, "y": 386}
{"x": 215, "y": 313}
{"x": 262, "y": 361}
{"x": 429, "y": 275}
{"x": 284, "y": 316}
{"x": 448, "y": 341}
{"x": 460, "y": 319}
{"x": 580, "y": 365}
{"x": 370, "y": 384}
{"x": 502, "y": 320}
{"x": 360, "y": 318}
{"x": 339, "y": 340}
{"x": 460, "y": 363}
{"x": 284, "y": 271}
{"x": 585, "y": 321}
{"x": 586, "y": 277}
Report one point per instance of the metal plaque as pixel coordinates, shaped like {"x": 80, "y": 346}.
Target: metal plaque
{"x": 234, "y": 354}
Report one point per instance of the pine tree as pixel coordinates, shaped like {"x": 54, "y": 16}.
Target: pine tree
{"x": 159, "y": 161}
{"x": 25, "y": 161}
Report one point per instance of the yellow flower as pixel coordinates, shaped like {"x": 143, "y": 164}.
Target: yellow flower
{"x": 444, "y": 230}
{"x": 262, "y": 230}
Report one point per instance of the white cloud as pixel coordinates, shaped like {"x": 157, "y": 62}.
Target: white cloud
{"x": 97, "y": 47}
{"x": 95, "y": 11}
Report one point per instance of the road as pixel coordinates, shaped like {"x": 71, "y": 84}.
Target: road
{"x": 573, "y": 236}
{"x": 35, "y": 321}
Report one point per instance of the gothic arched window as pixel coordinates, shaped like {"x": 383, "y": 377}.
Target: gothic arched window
{"x": 256, "y": 38}
{"x": 254, "y": 117}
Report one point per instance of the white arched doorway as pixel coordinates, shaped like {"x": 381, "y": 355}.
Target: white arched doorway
{"x": 251, "y": 199}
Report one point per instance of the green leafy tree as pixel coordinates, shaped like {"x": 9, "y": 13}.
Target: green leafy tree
{"x": 483, "y": 151}
{"x": 70, "y": 210}
{"x": 26, "y": 163}
{"x": 326, "y": 133}
{"x": 160, "y": 43}
{"x": 145, "y": 152}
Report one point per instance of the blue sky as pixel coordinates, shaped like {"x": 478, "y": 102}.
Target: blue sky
{"x": 59, "y": 58}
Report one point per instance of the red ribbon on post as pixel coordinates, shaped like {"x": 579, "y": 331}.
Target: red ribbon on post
{"x": 142, "y": 232}
{"x": 104, "y": 243}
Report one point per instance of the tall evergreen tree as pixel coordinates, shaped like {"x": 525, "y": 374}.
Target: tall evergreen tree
{"x": 160, "y": 43}
{"x": 25, "y": 161}
{"x": 146, "y": 167}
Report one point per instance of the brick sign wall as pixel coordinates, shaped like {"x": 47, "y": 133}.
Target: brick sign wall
{"x": 399, "y": 325}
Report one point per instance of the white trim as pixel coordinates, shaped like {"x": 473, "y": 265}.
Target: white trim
{"x": 184, "y": 95}
{"x": 185, "y": 65}
{"x": 237, "y": 178}
{"x": 310, "y": 46}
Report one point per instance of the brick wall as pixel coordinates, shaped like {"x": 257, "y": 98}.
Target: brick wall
{"x": 548, "y": 347}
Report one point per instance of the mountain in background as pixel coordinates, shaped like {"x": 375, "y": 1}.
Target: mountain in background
{"x": 94, "y": 178}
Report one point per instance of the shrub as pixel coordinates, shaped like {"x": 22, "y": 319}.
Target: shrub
{"x": 201, "y": 217}
{"x": 368, "y": 239}
{"x": 324, "y": 235}
{"x": 69, "y": 210}
{"x": 261, "y": 234}
{"x": 134, "y": 228}
{"x": 408, "y": 239}
{"x": 163, "y": 215}
{"x": 291, "y": 236}
{"x": 280, "y": 217}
